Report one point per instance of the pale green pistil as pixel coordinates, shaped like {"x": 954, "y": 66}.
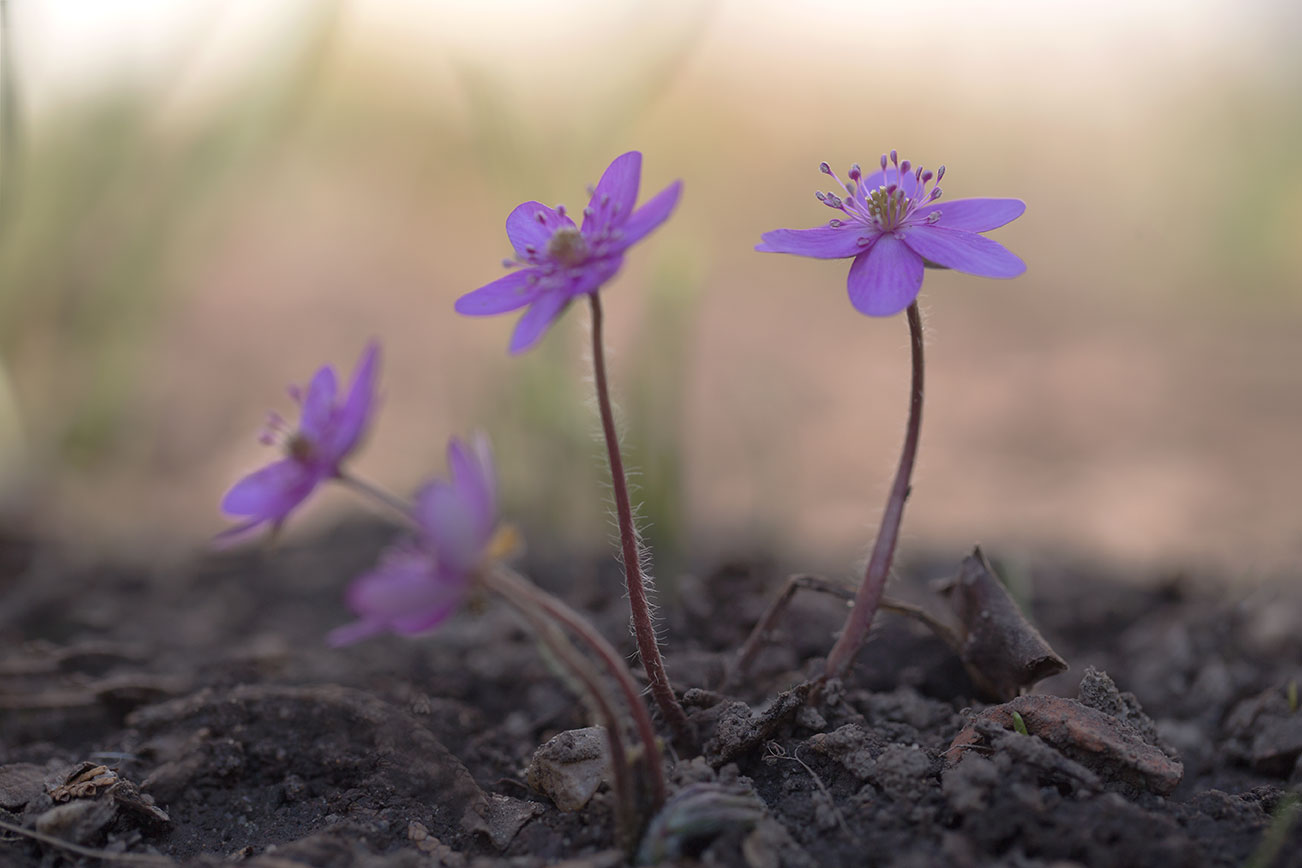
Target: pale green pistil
{"x": 567, "y": 247}
{"x": 889, "y": 207}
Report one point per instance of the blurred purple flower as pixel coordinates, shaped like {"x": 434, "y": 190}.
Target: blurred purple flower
{"x": 893, "y": 226}
{"x": 459, "y": 517}
{"x": 328, "y": 431}
{"x": 419, "y": 584}
{"x": 560, "y": 261}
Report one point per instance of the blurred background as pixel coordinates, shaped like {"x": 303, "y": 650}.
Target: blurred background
{"x": 202, "y": 202}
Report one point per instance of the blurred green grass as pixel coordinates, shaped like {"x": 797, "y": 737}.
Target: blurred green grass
{"x": 104, "y": 205}
{"x": 346, "y": 187}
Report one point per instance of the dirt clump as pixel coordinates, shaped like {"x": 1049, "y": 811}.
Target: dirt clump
{"x": 195, "y": 717}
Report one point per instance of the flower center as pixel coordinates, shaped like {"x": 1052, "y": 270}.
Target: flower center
{"x": 299, "y": 447}
{"x": 898, "y": 199}
{"x": 889, "y": 206}
{"x": 567, "y": 247}
{"x": 276, "y": 432}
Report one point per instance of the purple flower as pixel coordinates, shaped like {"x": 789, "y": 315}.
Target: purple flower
{"x": 328, "y": 431}
{"x": 420, "y": 583}
{"x": 459, "y": 517}
{"x": 559, "y": 261}
{"x": 893, "y": 225}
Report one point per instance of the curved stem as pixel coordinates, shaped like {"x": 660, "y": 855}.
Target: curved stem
{"x": 503, "y": 577}
{"x": 807, "y": 581}
{"x": 523, "y": 596}
{"x": 868, "y": 598}
{"x": 386, "y": 499}
{"x": 643, "y": 628}
{"x": 769, "y": 620}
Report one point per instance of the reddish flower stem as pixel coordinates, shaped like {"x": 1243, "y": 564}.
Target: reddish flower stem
{"x": 643, "y": 628}
{"x": 525, "y": 597}
{"x": 504, "y": 579}
{"x": 531, "y": 600}
{"x": 869, "y": 596}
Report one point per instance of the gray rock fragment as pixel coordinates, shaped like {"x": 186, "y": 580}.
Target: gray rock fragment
{"x": 570, "y": 767}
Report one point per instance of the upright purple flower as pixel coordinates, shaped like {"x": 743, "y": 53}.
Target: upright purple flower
{"x": 559, "y": 261}
{"x": 893, "y": 225}
{"x": 419, "y": 584}
{"x": 328, "y": 431}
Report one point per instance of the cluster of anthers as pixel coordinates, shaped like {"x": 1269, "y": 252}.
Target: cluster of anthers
{"x": 884, "y": 206}
{"x": 569, "y": 246}
{"x": 277, "y": 432}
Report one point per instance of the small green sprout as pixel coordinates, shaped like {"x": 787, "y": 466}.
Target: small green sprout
{"x": 1275, "y": 838}
{"x": 1019, "y": 724}
{"x": 1290, "y": 692}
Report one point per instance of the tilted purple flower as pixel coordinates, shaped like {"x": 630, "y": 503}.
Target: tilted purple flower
{"x": 420, "y": 583}
{"x": 558, "y": 261}
{"x": 328, "y": 431}
{"x": 893, "y": 226}
{"x": 458, "y": 517}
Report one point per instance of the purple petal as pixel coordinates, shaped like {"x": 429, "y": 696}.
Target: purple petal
{"x": 886, "y": 279}
{"x": 405, "y": 593}
{"x": 592, "y": 275}
{"x": 350, "y": 421}
{"x": 318, "y": 404}
{"x": 653, "y": 212}
{"x": 472, "y": 481}
{"x": 963, "y": 251}
{"x": 824, "y": 242}
{"x": 615, "y": 194}
{"x": 432, "y": 613}
{"x": 975, "y": 215}
{"x": 456, "y": 532}
{"x": 483, "y": 451}
{"x": 271, "y": 492}
{"x": 461, "y": 465}
{"x": 537, "y": 319}
{"x": 513, "y": 291}
{"x": 530, "y": 226}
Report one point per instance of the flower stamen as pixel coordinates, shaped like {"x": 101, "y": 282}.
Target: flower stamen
{"x": 295, "y": 444}
{"x": 275, "y": 430}
{"x": 889, "y": 206}
{"x": 568, "y": 247}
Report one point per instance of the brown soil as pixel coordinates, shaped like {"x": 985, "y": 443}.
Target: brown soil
{"x": 194, "y": 716}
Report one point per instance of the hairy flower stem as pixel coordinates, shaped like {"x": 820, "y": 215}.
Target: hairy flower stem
{"x": 643, "y": 628}
{"x": 868, "y": 598}
{"x": 522, "y": 595}
{"x": 506, "y": 581}
{"x": 532, "y": 601}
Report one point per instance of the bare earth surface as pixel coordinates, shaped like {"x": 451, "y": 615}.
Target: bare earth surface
{"x": 195, "y": 717}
